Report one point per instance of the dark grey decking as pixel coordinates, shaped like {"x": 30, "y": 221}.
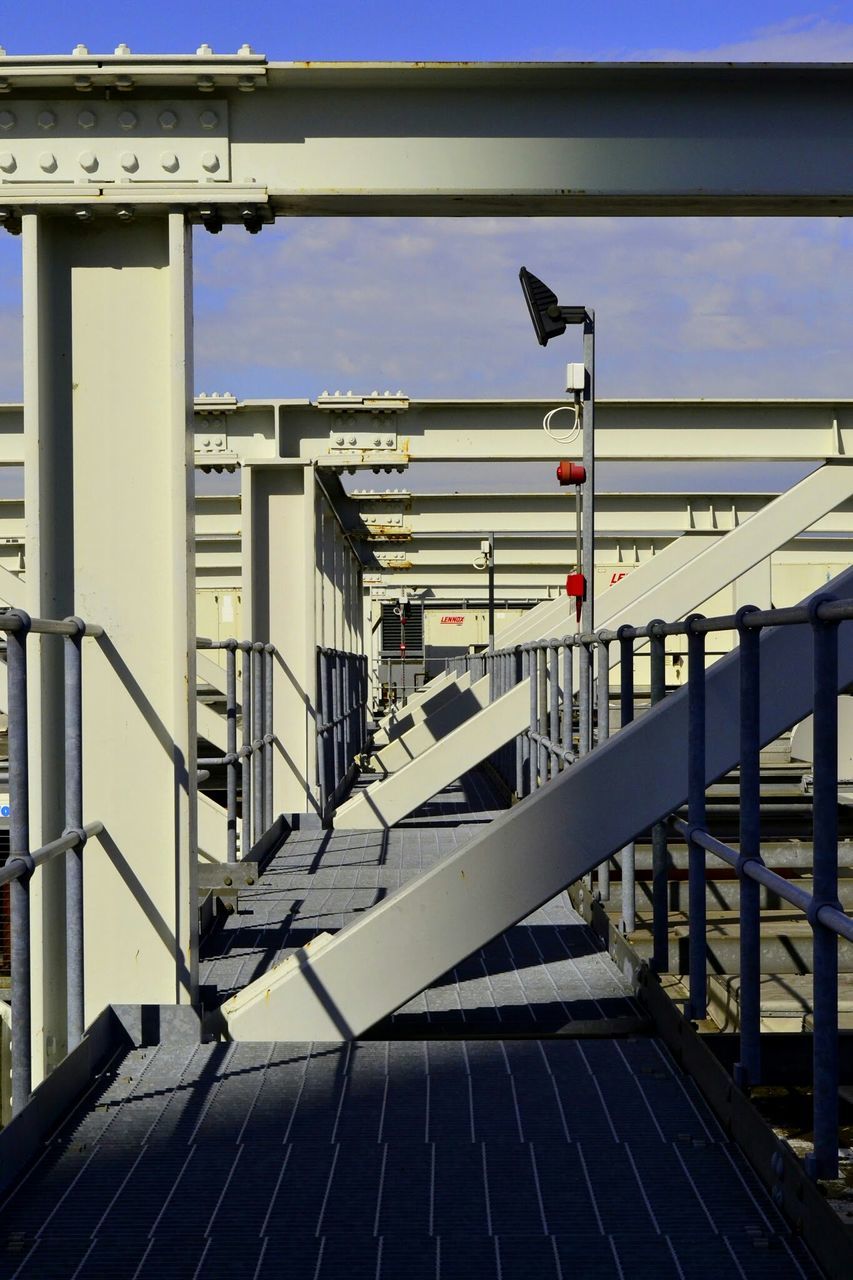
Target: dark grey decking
{"x": 426, "y": 1158}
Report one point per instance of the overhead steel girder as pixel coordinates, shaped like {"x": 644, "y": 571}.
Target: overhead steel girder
{"x": 341, "y": 986}
{"x": 428, "y": 138}
{"x": 228, "y": 432}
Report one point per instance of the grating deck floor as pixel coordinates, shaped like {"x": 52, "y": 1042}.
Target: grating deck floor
{"x": 438, "y": 1159}
{"x": 438, "y": 1150}
{"x": 538, "y": 977}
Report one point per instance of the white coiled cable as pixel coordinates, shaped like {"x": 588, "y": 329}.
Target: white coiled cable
{"x": 570, "y": 436}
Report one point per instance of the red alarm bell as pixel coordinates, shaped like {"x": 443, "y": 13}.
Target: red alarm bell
{"x": 571, "y": 472}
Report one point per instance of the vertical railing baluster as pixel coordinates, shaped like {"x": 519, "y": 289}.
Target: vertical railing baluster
{"x": 556, "y": 762}
{"x": 534, "y": 717}
{"x": 246, "y": 750}
{"x": 603, "y": 685}
{"x": 748, "y": 1070}
{"x": 269, "y": 736}
{"x": 19, "y": 847}
{"x": 74, "y": 959}
{"x": 232, "y": 764}
{"x": 568, "y": 695}
{"x": 697, "y": 942}
{"x": 516, "y": 676}
{"x": 584, "y": 700}
{"x": 526, "y": 744}
{"x": 628, "y": 921}
{"x": 542, "y": 713}
{"x": 660, "y": 852}
{"x": 824, "y": 1161}
{"x": 257, "y": 740}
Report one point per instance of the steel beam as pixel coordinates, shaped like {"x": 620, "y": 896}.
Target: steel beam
{"x": 341, "y": 987}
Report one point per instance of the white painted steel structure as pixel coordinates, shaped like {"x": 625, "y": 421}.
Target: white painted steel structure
{"x": 104, "y": 163}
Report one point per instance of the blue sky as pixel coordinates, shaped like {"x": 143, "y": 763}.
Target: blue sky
{"x": 685, "y": 307}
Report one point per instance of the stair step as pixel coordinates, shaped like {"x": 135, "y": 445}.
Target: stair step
{"x": 786, "y": 943}
{"x": 722, "y": 893}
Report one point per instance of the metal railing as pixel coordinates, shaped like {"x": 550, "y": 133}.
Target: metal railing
{"x": 22, "y": 861}
{"x": 564, "y": 727}
{"x": 342, "y": 693}
{"x": 249, "y": 767}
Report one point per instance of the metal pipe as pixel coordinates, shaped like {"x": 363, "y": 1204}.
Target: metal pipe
{"x": 246, "y": 751}
{"x": 603, "y": 735}
{"x": 269, "y": 736}
{"x": 584, "y": 700}
{"x": 322, "y": 731}
{"x": 542, "y": 713}
{"x": 660, "y": 855}
{"x": 824, "y": 1161}
{"x": 626, "y": 714}
{"x": 15, "y": 868}
{"x": 74, "y": 959}
{"x": 748, "y": 1069}
{"x": 231, "y": 748}
{"x": 534, "y": 718}
{"x": 257, "y": 741}
{"x": 19, "y": 848}
{"x": 526, "y": 745}
{"x": 697, "y": 941}
{"x": 568, "y": 695}
{"x": 554, "y": 705}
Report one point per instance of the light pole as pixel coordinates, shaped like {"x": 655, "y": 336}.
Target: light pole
{"x": 550, "y": 320}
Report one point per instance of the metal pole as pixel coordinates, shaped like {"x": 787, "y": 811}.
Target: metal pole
{"x": 584, "y": 700}
{"x": 568, "y": 695}
{"x": 19, "y": 847}
{"x": 588, "y": 566}
{"x": 515, "y": 677}
{"x": 660, "y": 854}
{"x": 74, "y": 989}
{"x": 322, "y": 731}
{"x": 246, "y": 751}
{"x": 748, "y": 1070}
{"x": 824, "y": 1161}
{"x": 491, "y": 592}
{"x": 697, "y": 942}
{"x": 603, "y": 735}
{"x": 534, "y": 718}
{"x": 257, "y": 741}
{"x": 269, "y": 736}
{"x": 554, "y": 708}
{"x": 542, "y": 717}
{"x": 626, "y": 715}
{"x": 526, "y": 752}
{"x": 231, "y": 747}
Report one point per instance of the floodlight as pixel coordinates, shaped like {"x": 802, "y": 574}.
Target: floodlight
{"x": 549, "y": 318}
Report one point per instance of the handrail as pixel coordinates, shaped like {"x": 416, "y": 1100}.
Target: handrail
{"x": 562, "y": 729}
{"x": 253, "y": 760}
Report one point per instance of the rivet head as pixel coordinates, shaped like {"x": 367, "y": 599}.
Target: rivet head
{"x": 47, "y": 161}
{"x": 7, "y": 120}
{"x": 88, "y": 161}
{"x": 210, "y": 161}
{"x": 167, "y": 119}
{"x": 129, "y": 162}
{"x": 127, "y": 119}
{"x": 208, "y": 119}
{"x": 169, "y": 161}
{"x": 46, "y": 119}
{"x": 7, "y": 162}
{"x": 87, "y": 119}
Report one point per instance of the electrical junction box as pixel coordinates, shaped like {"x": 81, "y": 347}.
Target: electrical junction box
{"x": 575, "y": 378}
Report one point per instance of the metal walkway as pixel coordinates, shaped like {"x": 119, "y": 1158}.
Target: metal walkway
{"x": 514, "y": 1120}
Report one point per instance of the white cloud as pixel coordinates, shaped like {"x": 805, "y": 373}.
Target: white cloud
{"x": 810, "y": 37}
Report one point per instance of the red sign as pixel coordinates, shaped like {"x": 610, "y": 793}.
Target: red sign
{"x": 452, "y": 619}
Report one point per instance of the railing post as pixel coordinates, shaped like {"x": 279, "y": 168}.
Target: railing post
{"x": 584, "y": 700}
{"x": 19, "y": 847}
{"x": 322, "y": 730}
{"x": 534, "y": 718}
{"x": 246, "y": 751}
{"x": 526, "y": 744}
{"x": 554, "y": 708}
{"x": 568, "y": 695}
{"x": 660, "y": 854}
{"x": 74, "y": 989}
{"x": 515, "y": 677}
{"x": 748, "y": 1070}
{"x": 269, "y": 735}
{"x": 603, "y": 689}
{"x": 697, "y": 941}
{"x": 824, "y": 1161}
{"x": 542, "y": 715}
{"x": 231, "y": 748}
{"x": 257, "y": 739}
{"x": 626, "y": 714}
